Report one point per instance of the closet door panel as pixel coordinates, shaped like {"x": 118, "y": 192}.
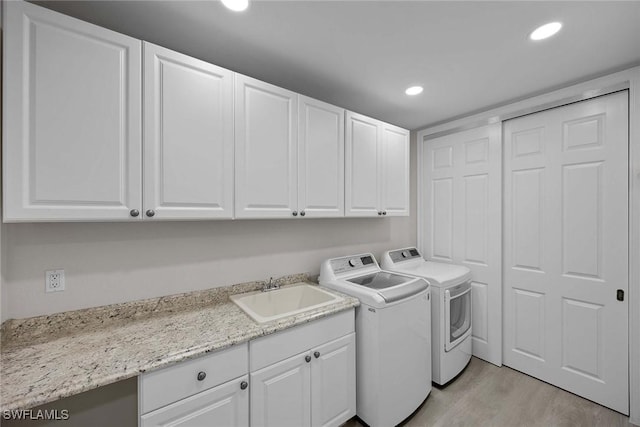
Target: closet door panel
{"x": 461, "y": 179}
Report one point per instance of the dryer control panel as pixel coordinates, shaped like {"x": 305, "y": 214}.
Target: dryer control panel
{"x": 404, "y": 254}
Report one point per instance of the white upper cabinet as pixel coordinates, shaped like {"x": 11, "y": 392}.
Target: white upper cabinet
{"x": 320, "y": 159}
{"x": 217, "y": 145}
{"x": 376, "y": 168}
{"x": 395, "y": 171}
{"x": 265, "y": 150}
{"x": 188, "y": 137}
{"x": 72, "y": 126}
{"x": 362, "y": 165}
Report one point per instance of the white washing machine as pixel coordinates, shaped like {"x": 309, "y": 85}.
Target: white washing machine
{"x": 393, "y": 337}
{"x": 450, "y": 309}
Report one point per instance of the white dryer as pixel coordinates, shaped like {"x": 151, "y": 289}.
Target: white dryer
{"x": 393, "y": 337}
{"x": 450, "y": 309}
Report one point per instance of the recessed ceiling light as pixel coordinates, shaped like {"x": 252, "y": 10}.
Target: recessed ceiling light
{"x": 546, "y": 30}
{"x": 414, "y": 90}
{"x": 236, "y": 5}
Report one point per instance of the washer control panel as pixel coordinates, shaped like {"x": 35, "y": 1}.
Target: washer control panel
{"x": 353, "y": 263}
{"x": 404, "y": 254}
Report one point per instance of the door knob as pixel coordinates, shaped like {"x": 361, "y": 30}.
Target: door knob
{"x": 244, "y": 385}
{"x": 316, "y": 354}
{"x": 202, "y": 375}
{"x": 150, "y": 213}
{"x": 134, "y": 212}
{"x": 307, "y": 359}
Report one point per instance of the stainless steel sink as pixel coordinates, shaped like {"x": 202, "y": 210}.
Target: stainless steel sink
{"x": 271, "y": 305}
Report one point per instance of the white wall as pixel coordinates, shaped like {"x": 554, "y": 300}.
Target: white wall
{"x": 108, "y": 263}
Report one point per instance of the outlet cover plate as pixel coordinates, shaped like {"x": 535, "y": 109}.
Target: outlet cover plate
{"x": 54, "y": 281}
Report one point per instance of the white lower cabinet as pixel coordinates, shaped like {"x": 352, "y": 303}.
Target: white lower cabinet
{"x": 224, "y": 405}
{"x": 301, "y": 377}
{"x": 210, "y": 391}
{"x": 313, "y": 387}
{"x": 333, "y": 382}
{"x": 281, "y": 394}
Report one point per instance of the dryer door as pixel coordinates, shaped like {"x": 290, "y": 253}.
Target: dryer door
{"x": 457, "y": 307}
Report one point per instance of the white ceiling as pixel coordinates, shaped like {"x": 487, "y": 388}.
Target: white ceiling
{"x": 363, "y": 54}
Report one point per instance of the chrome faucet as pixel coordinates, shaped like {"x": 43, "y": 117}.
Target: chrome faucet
{"x": 270, "y": 285}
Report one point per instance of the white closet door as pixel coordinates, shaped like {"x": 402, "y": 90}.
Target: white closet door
{"x": 320, "y": 159}
{"x": 266, "y": 136}
{"x": 72, "y": 125}
{"x": 566, "y": 248}
{"x": 188, "y": 141}
{"x": 461, "y": 193}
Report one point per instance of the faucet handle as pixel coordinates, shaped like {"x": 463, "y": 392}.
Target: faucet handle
{"x": 270, "y": 285}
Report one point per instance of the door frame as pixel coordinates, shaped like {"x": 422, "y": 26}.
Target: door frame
{"x": 626, "y": 79}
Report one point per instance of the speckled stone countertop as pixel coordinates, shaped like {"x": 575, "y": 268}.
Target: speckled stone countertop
{"x": 47, "y": 358}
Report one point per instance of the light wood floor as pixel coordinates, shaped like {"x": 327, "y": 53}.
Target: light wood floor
{"x": 485, "y": 395}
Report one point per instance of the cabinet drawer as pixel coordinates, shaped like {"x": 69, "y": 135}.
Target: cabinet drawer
{"x": 168, "y": 385}
{"x": 273, "y": 348}
{"x": 225, "y": 405}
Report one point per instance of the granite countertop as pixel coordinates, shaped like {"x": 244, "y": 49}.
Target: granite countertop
{"x": 47, "y": 358}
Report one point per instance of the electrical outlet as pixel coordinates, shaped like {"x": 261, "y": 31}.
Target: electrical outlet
{"x": 54, "y": 281}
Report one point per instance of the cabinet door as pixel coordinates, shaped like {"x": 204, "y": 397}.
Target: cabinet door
{"x": 395, "y": 171}
{"x": 320, "y": 159}
{"x": 223, "y": 406}
{"x": 333, "y": 382}
{"x": 188, "y": 137}
{"x": 72, "y": 125}
{"x": 362, "y": 158}
{"x": 280, "y": 394}
{"x": 266, "y": 150}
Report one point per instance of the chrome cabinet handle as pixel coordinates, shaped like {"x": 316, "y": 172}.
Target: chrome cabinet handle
{"x": 134, "y": 212}
{"x": 294, "y": 213}
{"x": 202, "y": 375}
{"x": 379, "y": 212}
{"x": 307, "y": 359}
{"x": 150, "y": 213}
{"x": 316, "y": 354}
{"x": 302, "y": 213}
{"x": 384, "y": 212}
{"x": 244, "y": 385}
